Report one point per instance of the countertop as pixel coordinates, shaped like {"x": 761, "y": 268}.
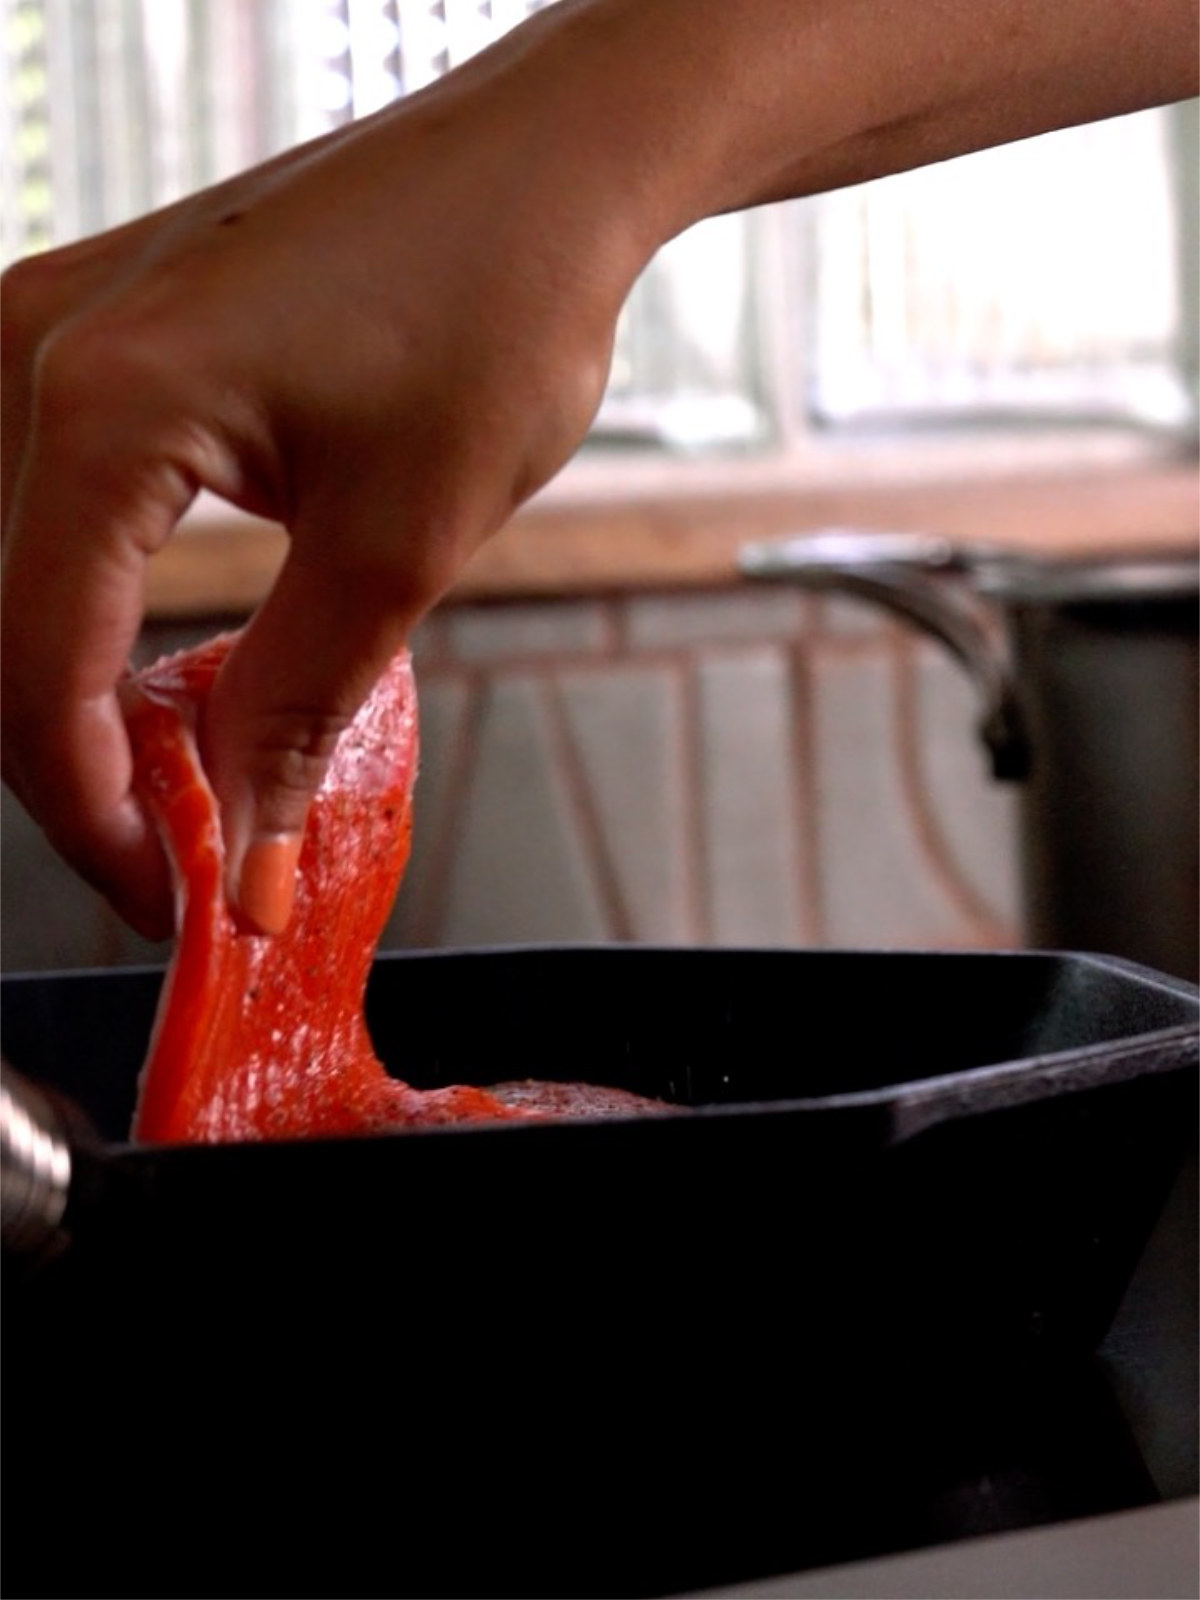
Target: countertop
{"x": 622, "y": 529}
{"x": 1149, "y": 1554}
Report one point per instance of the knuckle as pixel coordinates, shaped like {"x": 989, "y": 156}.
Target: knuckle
{"x": 291, "y": 754}
{"x": 108, "y": 385}
{"x": 69, "y": 344}
{"x": 35, "y": 292}
{"x": 96, "y": 355}
{"x": 411, "y": 577}
{"x": 22, "y": 299}
{"x": 394, "y": 566}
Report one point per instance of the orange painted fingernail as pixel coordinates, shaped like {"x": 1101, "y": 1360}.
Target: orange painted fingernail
{"x": 268, "y": 883}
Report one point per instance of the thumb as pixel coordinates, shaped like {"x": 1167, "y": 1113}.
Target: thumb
{"x": 288, "y": 689}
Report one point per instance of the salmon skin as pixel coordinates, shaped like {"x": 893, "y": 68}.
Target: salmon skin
{"x": 264, "y": 1037}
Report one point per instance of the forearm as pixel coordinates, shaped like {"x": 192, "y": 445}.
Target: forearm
{"x": 701, "y": 106}
{"x": 389, "y": 338}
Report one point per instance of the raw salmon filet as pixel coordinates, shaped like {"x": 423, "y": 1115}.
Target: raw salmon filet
{"x": 264, "y": 1038}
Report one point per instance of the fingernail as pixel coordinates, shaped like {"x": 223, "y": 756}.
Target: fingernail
{"x": 267, "y": 886}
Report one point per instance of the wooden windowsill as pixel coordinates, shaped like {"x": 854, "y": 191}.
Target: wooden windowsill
{"x": 685, "y": 532}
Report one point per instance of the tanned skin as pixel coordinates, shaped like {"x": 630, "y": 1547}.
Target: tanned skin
{"x": 387, "y": 339}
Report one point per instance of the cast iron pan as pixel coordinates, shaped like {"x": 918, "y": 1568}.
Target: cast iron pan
{"x": 873, "y": 1254}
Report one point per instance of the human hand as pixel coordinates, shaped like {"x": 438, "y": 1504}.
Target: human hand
{"x": 386, "y": 341}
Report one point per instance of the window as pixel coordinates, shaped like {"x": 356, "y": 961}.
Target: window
{"x": 1050, "y": 281}
{"x": 1038, "y": 279}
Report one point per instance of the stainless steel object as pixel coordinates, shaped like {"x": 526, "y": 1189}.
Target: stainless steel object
{"x": 1088, "y": 672}
{"x": 35, "y": 1168}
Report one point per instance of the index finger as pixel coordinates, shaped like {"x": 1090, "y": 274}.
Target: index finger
{"x": 86, "y": 516}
